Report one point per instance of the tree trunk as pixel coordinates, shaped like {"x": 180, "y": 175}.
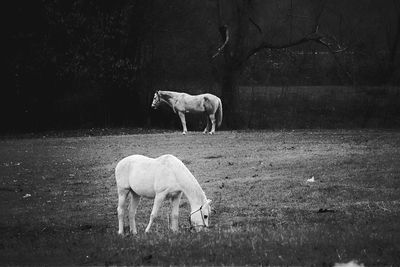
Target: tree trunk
{"x": 228, "y": 88}
{"x": 393, "y": 52}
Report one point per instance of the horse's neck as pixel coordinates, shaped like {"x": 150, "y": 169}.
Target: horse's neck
{"x": 192, "y": 189}
{"x": 167, "y": 95}
{"x": 169, "y": 98}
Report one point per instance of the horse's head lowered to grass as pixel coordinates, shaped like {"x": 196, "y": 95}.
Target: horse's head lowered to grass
{"x": 200, "y": 217}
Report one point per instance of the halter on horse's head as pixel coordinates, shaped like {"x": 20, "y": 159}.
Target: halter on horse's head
{"x": 200, "y": 217}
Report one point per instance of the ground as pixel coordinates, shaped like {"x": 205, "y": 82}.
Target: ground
{"x": 58, "y": 199}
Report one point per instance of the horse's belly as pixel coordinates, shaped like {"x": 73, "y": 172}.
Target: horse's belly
{"x": 144, "y": 193}
{"x": 194, "y": 109}
{"x": 142, "y": 187}
{"x": 194, "y": 106}
{"x": 148, "y": 183}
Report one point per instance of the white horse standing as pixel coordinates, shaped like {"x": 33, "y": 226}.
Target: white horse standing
{"x": 159, "y": 178}
{"x": 183, "y": 103}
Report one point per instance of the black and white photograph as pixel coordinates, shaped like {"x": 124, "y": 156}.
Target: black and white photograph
{"x": 200, "y": 133}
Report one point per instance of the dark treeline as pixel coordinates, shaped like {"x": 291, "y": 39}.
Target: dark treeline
{"x": 89, "y": 63}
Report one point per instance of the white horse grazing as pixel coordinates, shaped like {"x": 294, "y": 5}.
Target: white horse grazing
{"x": 183, "y": 103}
{"x": 159, "y": 178}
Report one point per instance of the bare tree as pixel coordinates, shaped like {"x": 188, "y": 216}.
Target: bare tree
{"x": 249, "y": 26}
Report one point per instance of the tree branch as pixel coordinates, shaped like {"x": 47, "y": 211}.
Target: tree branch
{"x": 315, "y": 36}
{"x": 328, "y": 41}
{"x": 319, "y": 14}
{"x": 225, "y": 36}
{"x": 255, "y": 25}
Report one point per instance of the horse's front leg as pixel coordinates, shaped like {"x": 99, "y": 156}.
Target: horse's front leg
{"x": 183, "y": 121}
{"x": 175, "y": 212}
{"x": 156, "y": 206}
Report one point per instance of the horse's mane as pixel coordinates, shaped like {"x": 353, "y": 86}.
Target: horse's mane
{"x": 194, "y": 185}
{"x": 166, "y": 94}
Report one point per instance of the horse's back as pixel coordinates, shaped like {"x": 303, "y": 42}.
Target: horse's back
{"x": 189, "y": 97}
{"x": 167, "y": 158}
{"x": 170, "y": 161}
{"x": 124, "y": 164}
{"x": 210, "y": 96}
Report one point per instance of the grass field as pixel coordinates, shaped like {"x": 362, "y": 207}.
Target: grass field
{"x": 58, "y": 199}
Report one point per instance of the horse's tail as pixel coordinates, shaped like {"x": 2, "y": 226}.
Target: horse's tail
{"x": 219, "y": 114}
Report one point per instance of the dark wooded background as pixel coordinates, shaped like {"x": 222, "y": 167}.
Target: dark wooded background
{"x": 85, "y": 63}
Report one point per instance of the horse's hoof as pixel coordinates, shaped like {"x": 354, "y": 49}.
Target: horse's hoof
{"x": 121, "y": 234}
{"x": 211, "y": 132}
{"x": 174, "y": 230}
{"x": 183, "y": 133}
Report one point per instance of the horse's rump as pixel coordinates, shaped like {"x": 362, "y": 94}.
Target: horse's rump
{"x": 210, "y": 103}
{"x": 213, "y": 105}
{"x": 209, "y": 106}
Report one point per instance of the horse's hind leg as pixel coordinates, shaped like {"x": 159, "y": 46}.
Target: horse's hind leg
{"x": 207, "y": 126}
{"x": 183, "y": 121}
{"x": 122, "y": 194}
{"x": 212, "y": 118}
{"x": 135, "y": 199}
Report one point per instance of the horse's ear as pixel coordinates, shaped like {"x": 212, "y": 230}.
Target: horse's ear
{"x": 208, "y": 202}
{"x": 213, "y": 210}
